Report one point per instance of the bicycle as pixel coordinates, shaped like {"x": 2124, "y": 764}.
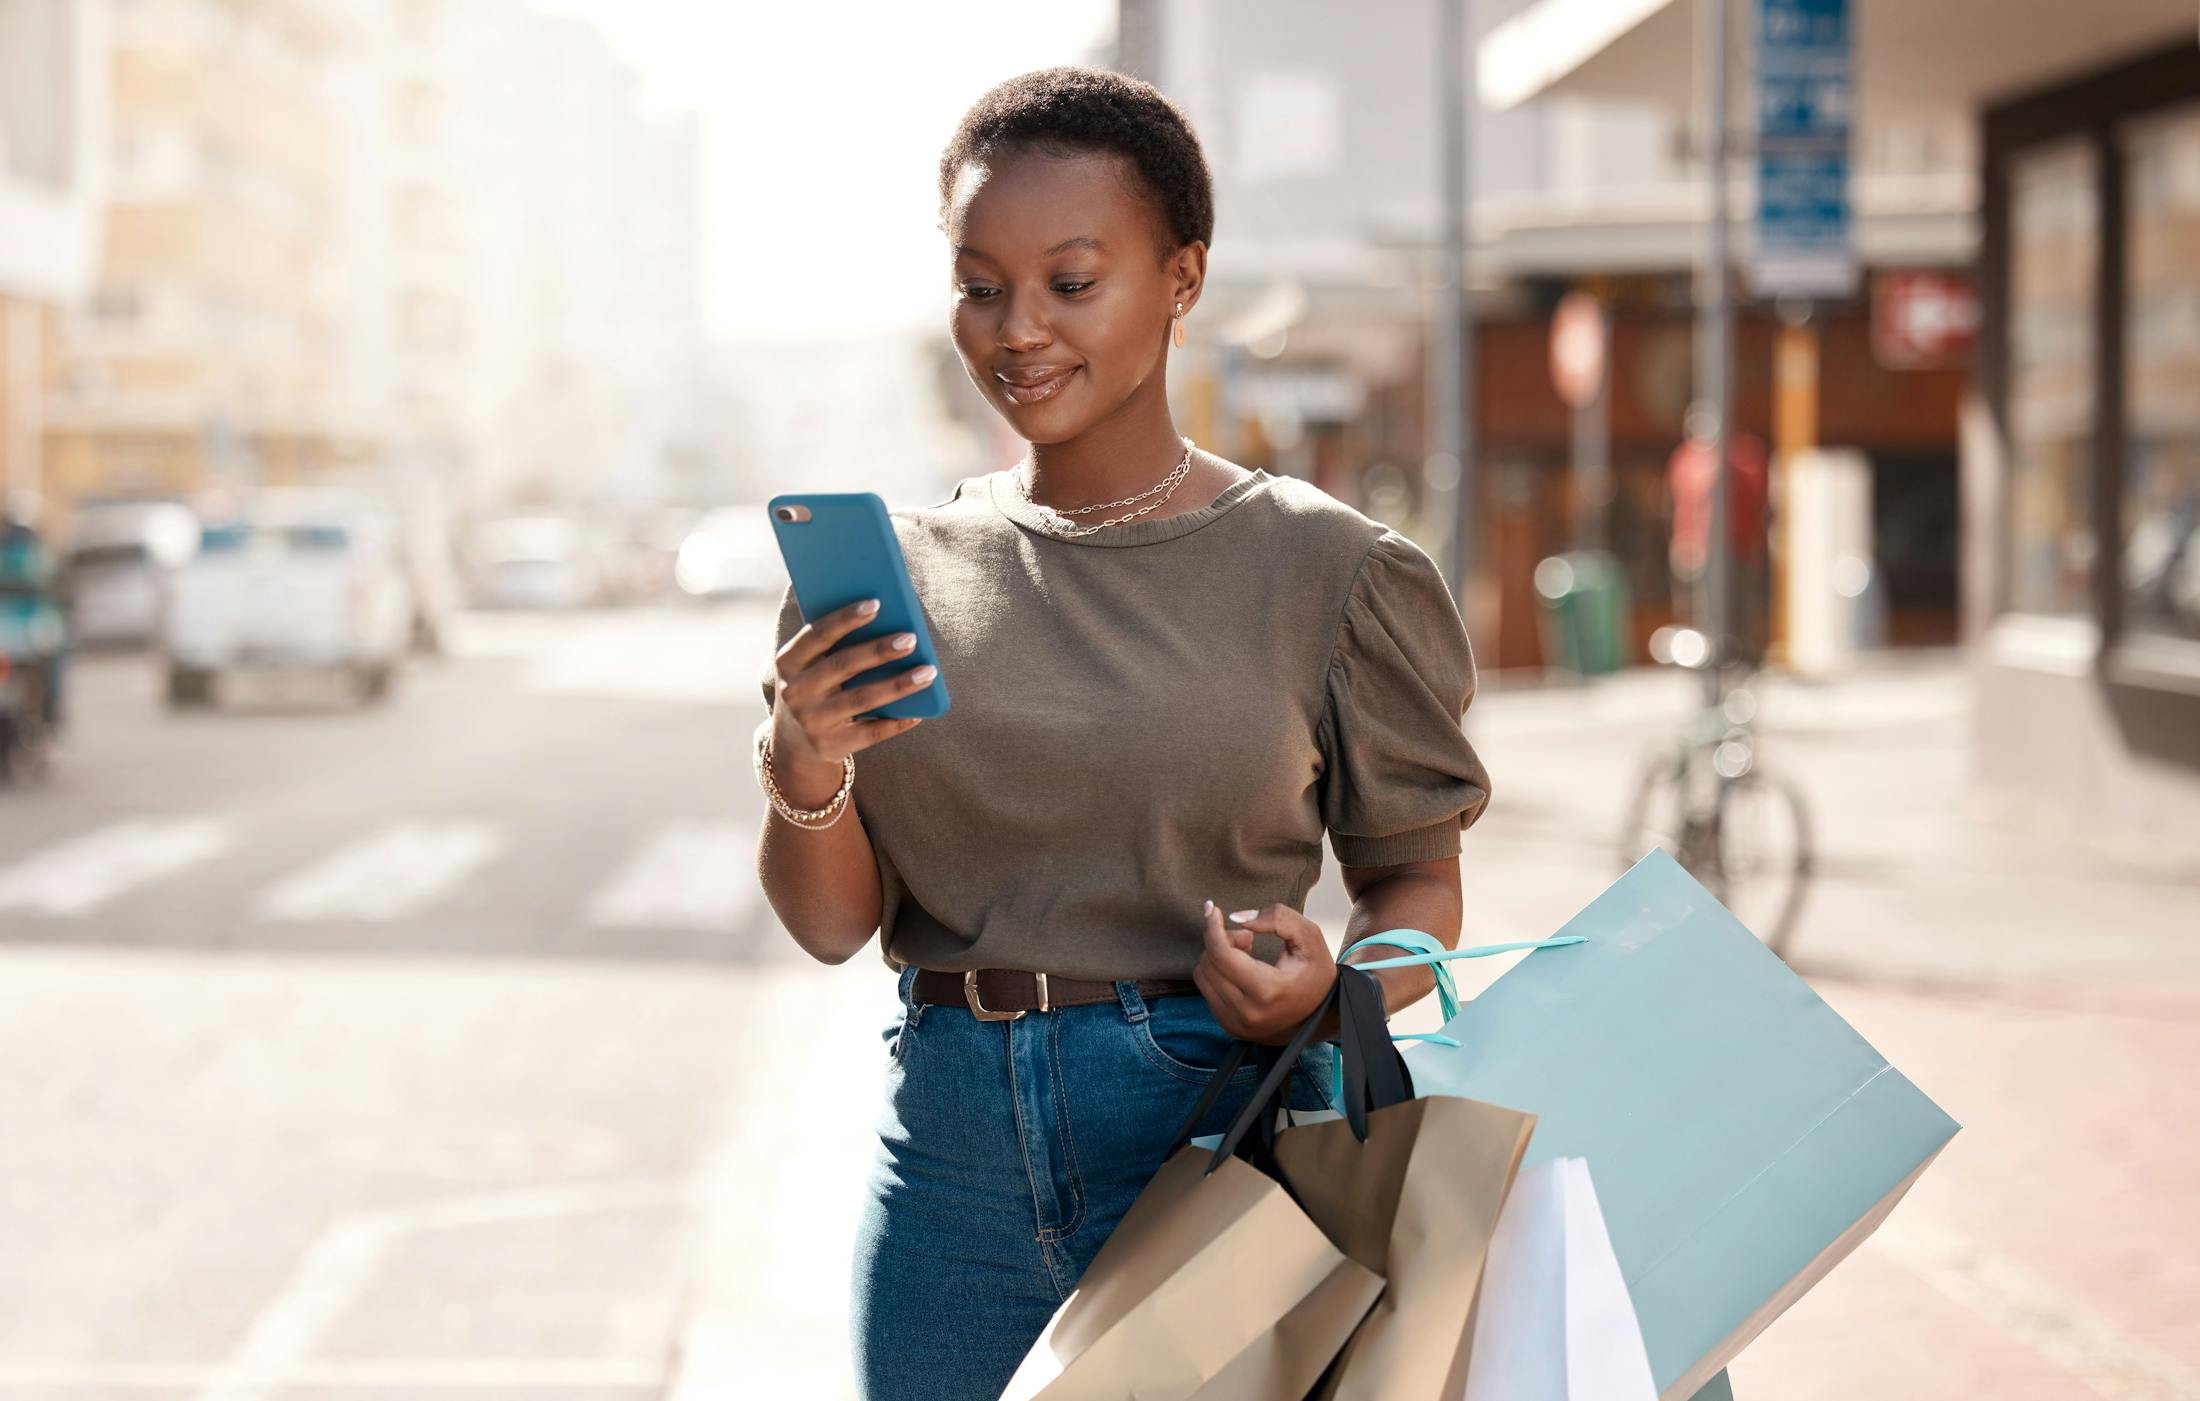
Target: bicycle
{"x": 1706, "y": 799}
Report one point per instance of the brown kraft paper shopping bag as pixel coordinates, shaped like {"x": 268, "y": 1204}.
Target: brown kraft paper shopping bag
{"x": 1411, "y": 1190}
{"x": 1215, "y": 1285}
{"x": 1415, "y": 1204}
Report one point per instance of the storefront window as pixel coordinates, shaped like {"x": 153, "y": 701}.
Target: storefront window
{"x": 2054, "y": 248}
{"x": 2161, "y": 516}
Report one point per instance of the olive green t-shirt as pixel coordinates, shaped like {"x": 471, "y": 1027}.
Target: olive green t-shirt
{"x": 1156, "y": 715}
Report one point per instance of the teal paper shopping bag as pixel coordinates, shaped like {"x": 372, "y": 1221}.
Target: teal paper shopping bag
{"x": 1743, "y": 1137}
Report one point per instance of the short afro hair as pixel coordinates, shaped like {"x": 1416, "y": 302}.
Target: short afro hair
{"x": 1075, "y": 110}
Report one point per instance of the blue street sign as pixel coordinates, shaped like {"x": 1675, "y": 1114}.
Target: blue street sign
{"x": 1802, "y": 105}
{"x": 1804, "y": 110}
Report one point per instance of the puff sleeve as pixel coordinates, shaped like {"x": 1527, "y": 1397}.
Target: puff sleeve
{"x": 790, "y": 623}
{"x": 1399, "y": 781}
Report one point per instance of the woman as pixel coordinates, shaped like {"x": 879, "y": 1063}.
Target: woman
{"x": 1171, "y": 674}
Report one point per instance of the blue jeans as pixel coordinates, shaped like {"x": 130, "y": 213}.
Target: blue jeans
{"x": 1007, "y": 1153}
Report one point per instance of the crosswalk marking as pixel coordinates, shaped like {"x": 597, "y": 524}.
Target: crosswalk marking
{"x": 81, "y": 874}
{"x": 693, "y": 874}
{"x": 390, "y": 874}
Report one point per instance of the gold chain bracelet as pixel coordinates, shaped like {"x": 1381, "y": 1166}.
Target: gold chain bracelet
{"x": 813, "y": 819}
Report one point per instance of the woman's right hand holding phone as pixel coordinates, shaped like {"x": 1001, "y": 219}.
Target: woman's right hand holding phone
{"x": 813, "y": 719}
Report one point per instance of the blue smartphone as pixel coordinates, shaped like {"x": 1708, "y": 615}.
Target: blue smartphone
{"x": 840, "y": 548}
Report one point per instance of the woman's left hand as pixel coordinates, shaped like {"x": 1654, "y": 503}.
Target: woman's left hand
{"x": 1262, "y": 1002}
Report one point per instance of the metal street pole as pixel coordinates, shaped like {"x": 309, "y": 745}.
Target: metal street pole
{"x": 1592, "y": 448}
{"x": 1713, "y": 342}
{"x": 1452, "y": 368}
{"x": 22, "y": 456}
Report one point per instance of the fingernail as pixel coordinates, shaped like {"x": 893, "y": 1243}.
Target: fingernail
{"x": 867, "y": 607}
{"x": 1243, "y": 915}
{"x": 905, "y": 641}
{"x": 923, "y": 674}
{"x": 1210, "y": 908}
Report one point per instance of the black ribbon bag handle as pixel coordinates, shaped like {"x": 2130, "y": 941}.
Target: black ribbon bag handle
{"x": 1374, "y": 1073}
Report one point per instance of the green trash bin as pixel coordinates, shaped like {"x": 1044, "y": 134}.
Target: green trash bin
{"x": 1583, "y": 599}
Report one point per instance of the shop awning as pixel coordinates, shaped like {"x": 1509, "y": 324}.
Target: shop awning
{"x": 1941, "y": 55}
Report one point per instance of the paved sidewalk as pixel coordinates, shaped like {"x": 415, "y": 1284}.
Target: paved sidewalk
{"x": 767, "y": 1316}
{"x": 1920, "y": 878}
{"x": 2044, "y": 990}
{"x": 2054, "y": 1249}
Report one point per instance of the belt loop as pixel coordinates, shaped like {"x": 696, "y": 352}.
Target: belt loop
{"x": 913, "y": 1010}
{"x": 1134, "y": 1002}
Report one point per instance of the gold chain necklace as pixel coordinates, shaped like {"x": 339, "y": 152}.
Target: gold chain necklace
{"x": 1167, "y": 486}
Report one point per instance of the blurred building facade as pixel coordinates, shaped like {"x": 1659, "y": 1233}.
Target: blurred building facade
{"x": 1309, "y": 353}
{"x": 52, "y": 127}
{"x": 585, "y": 256}
{"x": 208, "y": 349}
{"x": 442, "y": 240}
{"x": 413, "y": 355}
{"x": 2080, "y": 416}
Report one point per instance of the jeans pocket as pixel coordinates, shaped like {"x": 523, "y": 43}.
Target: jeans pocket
{"x": 1181, "y": 1037}
{"x": 1308, "y": 1087}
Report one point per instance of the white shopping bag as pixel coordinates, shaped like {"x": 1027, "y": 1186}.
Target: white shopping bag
{"x": 1554, "y": 1320}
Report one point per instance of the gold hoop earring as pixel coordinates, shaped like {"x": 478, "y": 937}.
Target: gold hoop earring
{"x": 1176, "y": 337}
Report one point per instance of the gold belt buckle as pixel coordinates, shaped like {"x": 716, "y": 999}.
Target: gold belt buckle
{"x": 978, "y": 1009}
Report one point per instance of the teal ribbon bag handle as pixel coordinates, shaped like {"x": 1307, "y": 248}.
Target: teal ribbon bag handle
{"x": 1420, "y": 941}
{"x": 1429, "y": 952}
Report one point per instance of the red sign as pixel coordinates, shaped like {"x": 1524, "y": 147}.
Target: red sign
{"x": 1577, "y": 349}
{"x": 1923, "y": 320}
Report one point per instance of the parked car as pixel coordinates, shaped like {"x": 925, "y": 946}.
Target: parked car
{"x": 633, "y": 556}
{"x": 297, "y": 590}
{"x": 116, "y": 567}
{"x": 731, "y": 551}
{"x": 533, "y": 562}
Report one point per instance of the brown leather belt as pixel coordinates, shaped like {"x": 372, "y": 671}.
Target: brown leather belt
{"x": 1004, "y": 994}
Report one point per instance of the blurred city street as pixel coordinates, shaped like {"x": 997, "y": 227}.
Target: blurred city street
{"x": 448, "y": 1049}
{"x": 1799, "y": 399}
{"x": 375, "y": 1051}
